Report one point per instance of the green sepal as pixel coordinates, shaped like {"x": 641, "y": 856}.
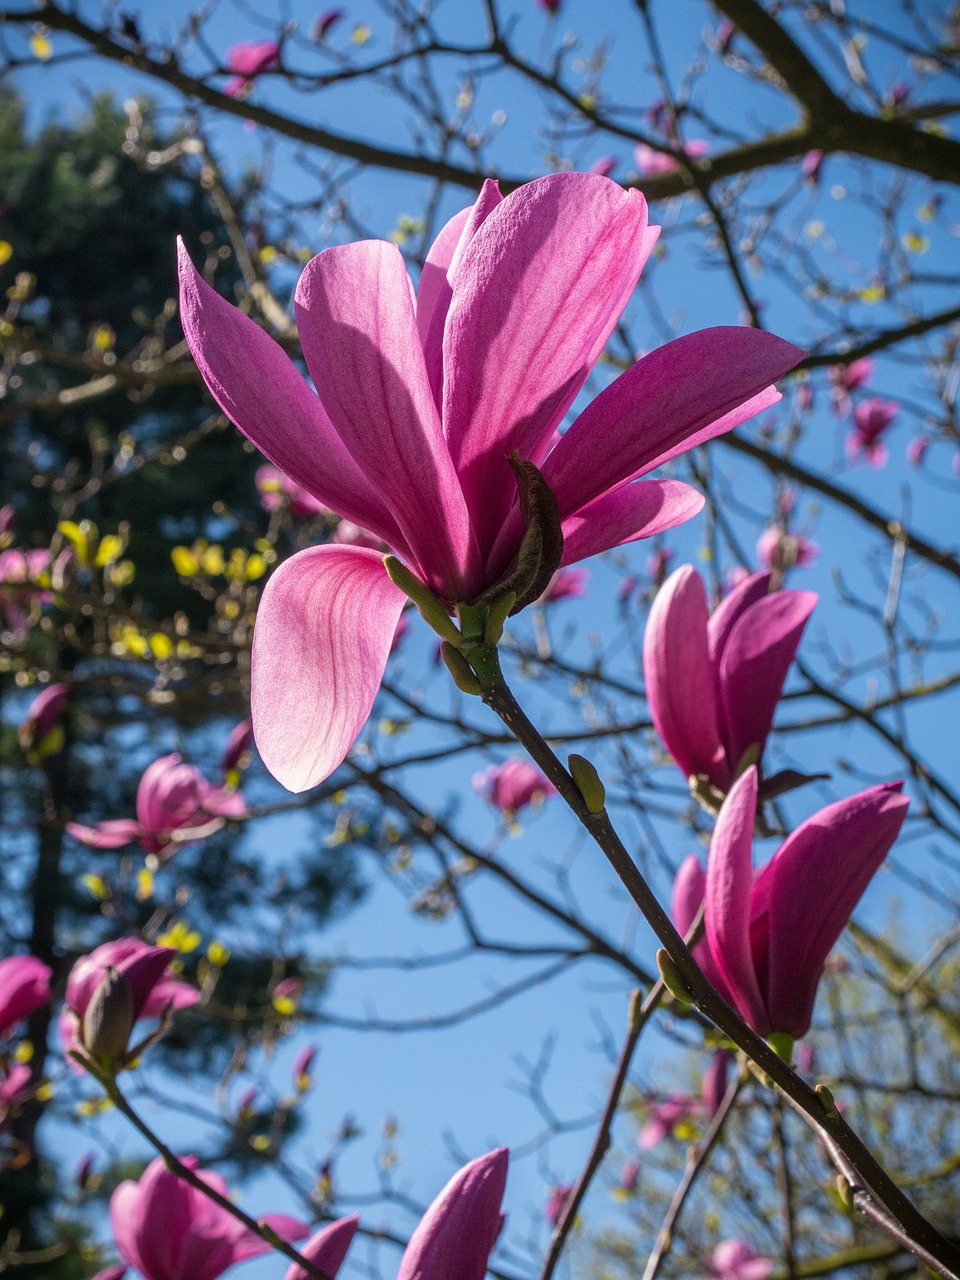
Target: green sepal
{"x": 459, "y": 669}
{"x": 428, "y": 606}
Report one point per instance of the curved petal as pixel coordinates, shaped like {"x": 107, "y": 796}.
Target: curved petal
{"x": 320, "y": 644}
{"x": 327, "y": 1249}
{"x": 728, "y": 888}
{"x": 754, "y": 665}
{"x": 114, "y": 833}
{"x": 457, "y": 1233}
{"x": 357, "y": 324}
{"x": 435, "y": 290}
{"x": 838, "y": 850}
{"x": 688, "y": 893}
{"x": 24, "y": 987}
{"x": 535, "y": 297}
{"x": 260, "y": 389}
{"x": 679, "y": 678}
{"x": 733, "y": 604}
{"x": 678, "y": 396}
{"x": 634, "y": 511}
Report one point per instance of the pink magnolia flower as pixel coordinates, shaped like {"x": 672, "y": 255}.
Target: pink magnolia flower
{"x": 664, "y": 1117}
{"x": 8, "y": 520}
{"x": 630, "y": 1176}
{"x": 565, "y": 584}
{"x": 22, "y": 586}
{"x": 769, "y": 935}
{"x": 348, "y": 534}
{"x": 651, "y": 162}
{"x": 236, "y": 754}
{"x": 248, "y": 61}
{"x": 557, "y": 1202}
{"x": 604, "y": 166}
{"x": 917, "y": 450}
{"x": 277, "y": 490}
{"x": 24, "y": 987}
{"x": 779, "y": 550}
{"x": 513, "y": 785}
{"x": 15, "y": 1090}
{"x": 457, "y": 1233}
{"x": 41, "y": 730}
{"x": 551, "y": 6}
{"x": 302, "y": 1067}
{"x": 327, "y": 1249}
{"x": 116, "y": 1272}
{"x": 714, "y": 1085}
{"x": 420, "y": 406}
{"x": 170, "y": 1231}
{"x": 735, "y": 1260}
{"x": 871, "y": 418}
{"x": 144, "y": 968}
{"x": 713, "y": 682}
{"x": 657, "y": 564}
{"x": 175, "y": 806}
{"x": 853, "y": 376}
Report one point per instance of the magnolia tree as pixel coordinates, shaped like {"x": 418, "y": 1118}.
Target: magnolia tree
{"x": 295, "y": 526}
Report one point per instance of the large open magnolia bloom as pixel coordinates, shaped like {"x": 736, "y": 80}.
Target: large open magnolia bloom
{"x": 170, "y": 1231}
{"x": 769, "y": 935}
{"x": 713, "y": 681}
{"x": 423, "y": 399}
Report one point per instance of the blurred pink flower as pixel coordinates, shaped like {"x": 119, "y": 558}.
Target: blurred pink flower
{"x": 324, "y": 21}
{"x": 769, "y": 934}
{"x": 664, "y": 1117}
{"x": 327, "y": 1249}
{"x": 23, "y": 586}
{"x": 41, "y": 731}
{"x": 651, "y": 162}
{"x": 175, "y": 806}
{"x": 144, "y": 970}
{"x": 248, "y": 61}
{"x": 418, "y": 410}
{"x": 846, "y": 378}
{"x": 812, "y": 164}
{"x": 565, "y": 584}
{"x": 236, "y": 754}
{"x": 513, "y": 785}
{"x": 657, "y": 565}
{"x": 714, "y": 1086}
{"x": 551, "y": 6}
{"x": 735, "y": 1260}
{"x": 557, "y": 1202}
{"x": 302, "y": 1067}
{"x": 779, "y": 550}
{"x": 277, "y": 490}
{"x": 15, "y": 1090}
{"x": 605, "y": 166}
{"x": 917, "y": 450}
{"x": 630, "y": 1175}
{"x": 871, "y": 418}
{"x": 170, "y": 1231}
{"x": 714, "y": 680}
{"x": 24, "y": 987}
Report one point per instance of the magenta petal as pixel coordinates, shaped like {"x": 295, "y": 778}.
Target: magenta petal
{"x": 327, "y": 1249}
{"x": 689, "y": 888}
{"x": 728, "y": 889}
{"x": 730, "y": 608}
{"x": 260, "y": 389}
{"x": 142, "y": 970}
{"x": 114, "y": 833}
{"x": 357, "y": 324}
{"x": 321, "y": 641}
{"x": 535, "y": 297}
{"x": 678, "y": 396}
{"x": 169, "y": 993}
{"x": 638, "y": 510}
{"x": 457, "y": 1233}
{"x": 24, "y": 987}
{"x": 680, "y": 682}
{"x": 806, "y": 893}
{"x": 754, "y": 664}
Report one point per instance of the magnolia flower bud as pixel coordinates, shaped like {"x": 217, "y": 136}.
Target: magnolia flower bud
{"x": 108, "y": 1019}
{"x": 588, "y": 783}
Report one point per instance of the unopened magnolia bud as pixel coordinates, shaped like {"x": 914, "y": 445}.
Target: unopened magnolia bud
{"x": 497, "y": 615}
{"x": 826, "y": 1098}
{"x": 588, "y": 783}
{"x": 672, "y": 978}
{"x": 108, "y": 1019}
{"x": 459, "y": 669}
{"x": 428, "y": 606}
{"x": 844, "y": 1191}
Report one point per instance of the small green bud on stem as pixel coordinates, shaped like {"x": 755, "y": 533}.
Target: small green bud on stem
{"x": 671, "y": 977}
{"x": 588, "y": 783}
{"x": 428, "y": 606}
{"x": 826, "y": 1098}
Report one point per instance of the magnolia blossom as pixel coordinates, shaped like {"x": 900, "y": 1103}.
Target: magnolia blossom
{"x": 14, "y": 1091}
{"x": 327, "y": 1249}
{"x": 557, "y": 1202}
{"x": 735, "y": 1260}
{"x": 713, "y": 682}
{"x": 779, "y": 550}
{"x": 278, "y": 490}
{"x": 24, "y": 987}
{"x": 664, "y": 1118}
{"x": 175, "y": 806}
{"x": 917, "y": 449}
{"x": 22, "y": 586}
{"x": 564, "y": 584}
{"x": 420, "y": 407}
{"x": 41, "y": 731}
{"x": 249, "y": 61}
{"x": 169, "y": 1230}
{"x": 236, "y": 754}
{"x": 513, "y": 785}
{"x": 651, "y": 163}
{"x": 871, "y": 418}
{"x": 153, "y": 993}
{"x": 324, "y": 21}
{"x": 457, "y": 1233}
{"x": 812, "y": 164}
{"x": 604, "y": 166}
{"x": 768, "y": 935}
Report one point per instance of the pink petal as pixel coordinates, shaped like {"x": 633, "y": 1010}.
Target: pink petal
{"x": 754, "y": 664}
{"x": 24, "y": 987}
{"x": 327, "y": 1249}
{"x": 535, "y": 297}
{"x": 457, "y": 1233}
{"x": 638, "y": 510}
{"x": 689, "y": 888}
{"x": 357, "y": 324}
{"x": 806, "y": 893}
{"x": 169, "y": 993}
{"x": 258, "y": 387}
{"x": 112, "y": 834}
{"x": 678, "y": 396}
{"x": 728, "y": 889}
{"x": 753, "y": 588}
{"x": 435, "y": 291}
{"x": 321, "y": 642}
{"x": 679, "y": 678}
